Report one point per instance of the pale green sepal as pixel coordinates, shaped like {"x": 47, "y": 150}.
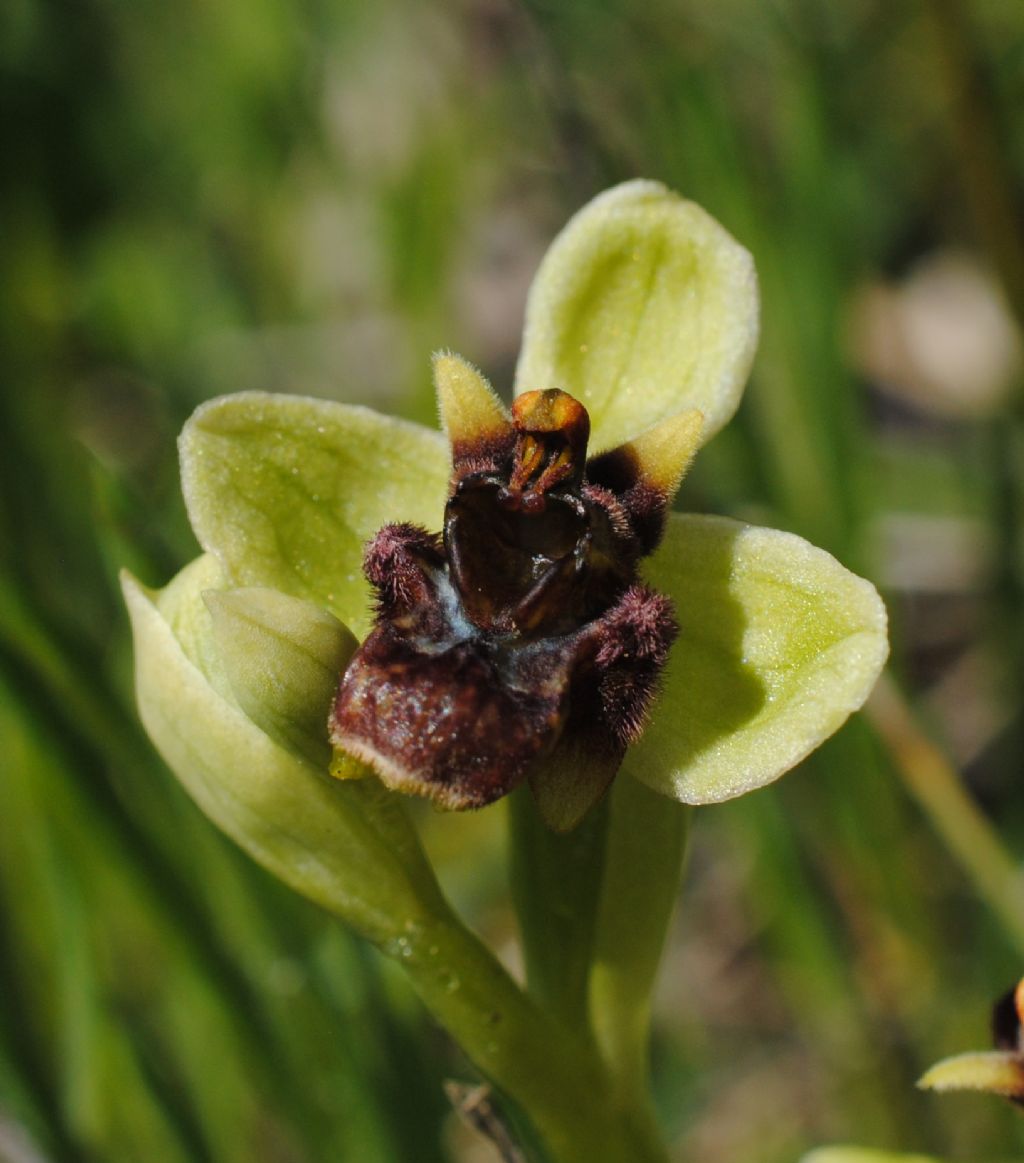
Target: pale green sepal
{"x": 995, "y": 1071}
{"x": 346, "y": 846}
{"x": 862, "y": 1155}
{"x": 283, "y": 657}
{"x": 181, "y": 604}
{"x": 285, "y": 491}
{"x": 778, "y": 645}
{"x": 643, "y": 306}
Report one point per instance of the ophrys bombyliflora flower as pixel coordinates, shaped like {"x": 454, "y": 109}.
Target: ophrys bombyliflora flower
{"x": 645, "y": 310}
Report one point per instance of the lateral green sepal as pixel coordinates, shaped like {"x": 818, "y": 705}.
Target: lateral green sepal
{"x": 283, "y": 657}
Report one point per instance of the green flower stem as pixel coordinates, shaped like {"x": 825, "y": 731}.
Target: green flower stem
{"x": 645, "y": 852}
{"x": 555, "y": 883}
{"x": 551, "y": 1071}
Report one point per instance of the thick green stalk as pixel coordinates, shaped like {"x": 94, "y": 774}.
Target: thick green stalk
{"x": 551, "y": 1071}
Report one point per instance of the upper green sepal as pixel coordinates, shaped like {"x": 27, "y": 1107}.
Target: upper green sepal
{"x": 644, "y": 306}
{"x": 282, "y": 656}
{"x": 778, "y": 645}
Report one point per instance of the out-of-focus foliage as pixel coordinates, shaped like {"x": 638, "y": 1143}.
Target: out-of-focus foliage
{"x": 203, "y": 197}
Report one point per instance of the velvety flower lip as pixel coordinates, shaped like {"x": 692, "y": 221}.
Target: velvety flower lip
{"x": 521, "y": 643}
{"x": 645, "y": 311}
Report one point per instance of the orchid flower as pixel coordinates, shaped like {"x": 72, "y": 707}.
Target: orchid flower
{"x": 732, "y": 650}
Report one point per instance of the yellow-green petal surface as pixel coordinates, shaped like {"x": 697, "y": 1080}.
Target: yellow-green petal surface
{"x": 282, "y": 657}
{"x": 778, "y": 644}
{"x": 644, "y": 306}
{"x": 284, "y": 491}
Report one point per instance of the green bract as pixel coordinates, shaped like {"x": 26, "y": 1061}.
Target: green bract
{"x": 998, "y": 1072}
{"x": 643, "y": 308}
{"x": 862, "y": 1155}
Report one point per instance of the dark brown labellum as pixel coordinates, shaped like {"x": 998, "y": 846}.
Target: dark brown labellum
{"x": 519, "y": 644}
{"x": 1007, "y": 1031}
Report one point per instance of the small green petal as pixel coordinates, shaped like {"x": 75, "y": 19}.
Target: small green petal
{"x": 471, "y": 414}
{"x": 346, "y": 846}
{"x": 995, "y": 1071}
{"x": 282, "y": 657}
{"x": 862, "y": 1155}
{"x": 644, "y": 306}
{"x": 778, "y": 645}
{"x": 285, "y": 491}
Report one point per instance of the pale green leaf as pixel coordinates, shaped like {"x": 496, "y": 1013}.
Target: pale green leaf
{"x": 995, "y": 1071}
{"x": 778, "y": 645}
{"x": 285, "y": 491}
{"x": 346, "y": 846}
{"x": 283, "y": 657}
{"x": 644, "y": 306}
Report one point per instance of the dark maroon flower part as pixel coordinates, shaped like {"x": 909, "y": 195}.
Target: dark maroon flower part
{"x": 519, "y": 644}
{"x": 1007, "y": 1030}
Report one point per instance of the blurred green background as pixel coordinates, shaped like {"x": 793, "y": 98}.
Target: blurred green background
{"x": 313, "y": 196}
